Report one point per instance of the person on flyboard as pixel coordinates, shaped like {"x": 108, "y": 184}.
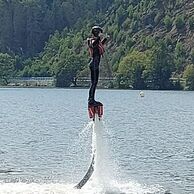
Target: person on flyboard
{"x": 96, "y": 50}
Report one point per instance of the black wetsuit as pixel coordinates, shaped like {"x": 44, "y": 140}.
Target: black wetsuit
{"x": 94, "y": 68}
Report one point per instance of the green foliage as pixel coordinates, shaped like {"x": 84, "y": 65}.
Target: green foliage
{"x": 180, "y": 22}
{"x": 120, "y": 15}
{"x": 191, "y": 23}
{"x": 62, "y": 58}
{"x": 179, "y": 56}
{"x": 192, "y": 56}
{"x": 66, "y": 69}
{"x": 168, "y": 22}
{"x": 158, "y": 72}
{"x": 179, "y": 2}
{"x": 131, "y": 69}
{"x": 48, "y": 38}
{"x": 27, "y": 25}
{"x": 149, "y": 42}
{"x": 149, "y": 69}
{"x": 35, "y": 68}
{"x": 7, "y": 66}
{"x": 189, "y": 77}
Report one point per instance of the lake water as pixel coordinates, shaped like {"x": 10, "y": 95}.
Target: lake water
{"x": 46, "y": 137}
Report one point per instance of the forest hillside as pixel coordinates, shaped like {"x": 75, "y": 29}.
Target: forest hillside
{"x": 150, "y": 45}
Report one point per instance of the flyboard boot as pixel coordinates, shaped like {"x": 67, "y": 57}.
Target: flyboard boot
{"x": 95, "y": 107}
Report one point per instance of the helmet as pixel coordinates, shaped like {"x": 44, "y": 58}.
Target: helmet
{"x": 96, "y": 29}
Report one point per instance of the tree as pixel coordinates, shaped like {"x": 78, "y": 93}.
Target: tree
{"x": 7, "y": 64}
{"x": 157, "y": 73}
{"x": 131, "y": 69}
{"x": 192, "y": 56}
{"x": 179, "y": 56}
{"x": 168, "y": 22}
{"x": 180, "y": 22}
{"x": 66, "y": 70}
{"x": 191, "y": 23}
{"x": 189, "y": 77}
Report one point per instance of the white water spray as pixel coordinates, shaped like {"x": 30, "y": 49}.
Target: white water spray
{"x": 101, "y": 176}
{"x": 102, "y": 180}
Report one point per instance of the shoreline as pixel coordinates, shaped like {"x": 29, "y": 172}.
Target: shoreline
{"x": 76, "y": 88}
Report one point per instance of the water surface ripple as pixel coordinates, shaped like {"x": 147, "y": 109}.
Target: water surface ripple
{"x": 151, "y": 139}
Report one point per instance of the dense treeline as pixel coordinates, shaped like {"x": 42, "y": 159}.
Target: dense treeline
{"x": 27, "y": 24}
{"x": 150, "y": 47}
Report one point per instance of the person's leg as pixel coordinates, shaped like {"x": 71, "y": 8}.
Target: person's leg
{"x": 94, "y": 82}
{"x": 94, "y": 68}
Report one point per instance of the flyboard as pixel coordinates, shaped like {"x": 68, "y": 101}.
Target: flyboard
{"x": 95, "y": 112}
